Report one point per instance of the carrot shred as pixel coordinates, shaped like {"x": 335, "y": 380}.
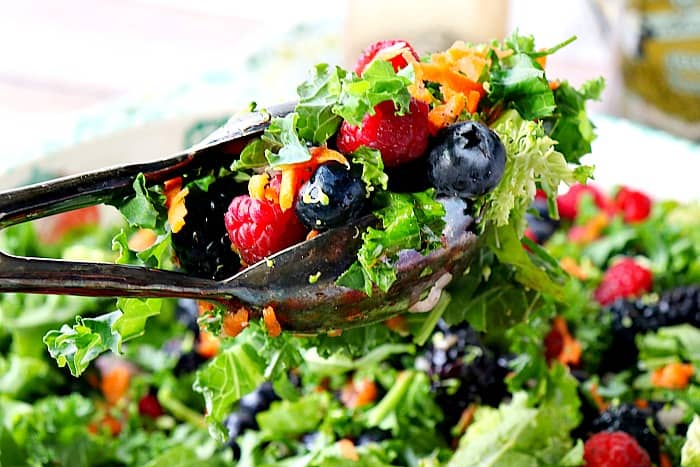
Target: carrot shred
{"x": 398, "y": 324}
{"x": 554, "y": 85}
{"x": 598, "y": 399}
{"x": 271, "y": 323}
{"x": 208, "y": 345}
{"x": 347, "y": 449}
{"x": 288, "y": 188}
{"x": 641, "y": 403}
{"x": 257, "y": 185}
{"x": 570, "y": 353}
{"x": 170, "y": 188}
{"x": 358, "y": 393}
{"x": 235, "y": 322}
{"x": 570, "y": 265}
{"x": 665, "y": 460}
{"x": 142, "y": 239}
{"x": 204, "y": 307}
{"x": 673, "y": 376}
{"x": 473, "y": 99}
{"x": 177, "y": 210}
{"x": 115, "y": 383}
{"x": 542, "y": 61}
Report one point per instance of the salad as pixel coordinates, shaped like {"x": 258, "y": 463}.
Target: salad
{"x": 570, "y": 339}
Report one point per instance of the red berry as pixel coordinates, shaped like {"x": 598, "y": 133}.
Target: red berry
{"x": 634, "y": 205}
{"x": 624, "y": 279}
{"x": 568, "y": 202}
{"x": 394, "y": 50}
{"x": 614, "y": 449}
{"x": 150, "y": 407}
{"x": 259, "y": 228}
{"x": 400, "y": 138}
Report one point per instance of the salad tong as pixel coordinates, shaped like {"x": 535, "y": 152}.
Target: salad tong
{"x": 283, "y": 281}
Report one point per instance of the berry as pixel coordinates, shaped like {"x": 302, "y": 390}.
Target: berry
{"x": 249, "y": 407}
{"x": 624, "y": 279}
{"x": 641, "y": 424}
{"x": 187, "y": 312}
{"x": 467, "y": 161}
{"x": 631, "y": 317}
{"x": 373, "y": 435}
{"x": 392, "y": 50}
{"x": 616, "y": 449}
{"x": 332, "y": 197}
{"x": 202, "y": 245}
{"x": 568, "y": 203}
{"x": 400, "y": 138}
{"x": 188, "y": 362}
{"x": 457, "y": 354}
{"x": 150, "y": 407}
{"x": 541, "y": 226}
{"x": 635, "y": 206}
{"x": 260, "y": 228}
{"x": 259, "y": 400}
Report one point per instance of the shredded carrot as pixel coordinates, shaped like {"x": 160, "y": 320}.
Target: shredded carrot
{"x": 271, "y": 323}
{"x": 257, "y": 184}
{"x": 312, "y": 234}
{"x": 115, "y": 383}
{"x": 554, "y": 85}
{"x": 142, "y": 239}
{"x": 204, "y": 307}
{"x": 571, "y": 349}
{"x": 440, "y": 74}
{"x": 288, "y": 188}
{"x": 473, "y": 99}
{"x": 347, "y": 449}
{"x": 358, "y": 393}
{"x": 598, "y": 399}
{"x": 177, "y": 210}
{"x": 334, "y": 333}
{"x": 542, "y": 61}
{"x": 570, "y": 265}
{"x": 665, "y": 460}
{"x": 446, "y": 114}
{"x": 673, "y": 376}
{"x": 171, "y": 187}
{"x": 641, "y": 403}
{"x": 398, "y": 324}
{"x": 113, "y": 426}
{"x": 235, "y": 322}
{"x": 466, "y": 419}
{"x": 585, "y": 234}
{"x": 208, "y": 345}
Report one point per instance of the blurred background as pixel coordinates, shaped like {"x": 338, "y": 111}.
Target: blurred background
{"x": 76, "y": 70}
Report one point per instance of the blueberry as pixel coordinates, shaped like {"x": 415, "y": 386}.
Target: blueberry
{"x": 187, "y": 363}
{"x": 467, "y": 161}
{"x": 187, "y": 312}
{"x": 541, "y": 224}
{"x": 259, "y": 400}
{"x": 332, "y": 197}
{"x": 373, "y": 435}
{"x": 236, "y": 424}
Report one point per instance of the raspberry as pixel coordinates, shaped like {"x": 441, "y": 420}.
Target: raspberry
{"x": 614, "y": 449}
{"x": 624, "y": 279}
{"x": 259, "y": 228}
{"x": 150, "y": 407}
{"x": 398, "y": 60}
{"x": 634, "y": 205}
{"x": 400, "y": 138}
{"x": 568, "y": 202}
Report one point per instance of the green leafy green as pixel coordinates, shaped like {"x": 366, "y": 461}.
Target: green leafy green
{"x": 139, "y": 210}
{"x": 134, "y": 313}
{"x": 571, "y": 127}
{"x": 680, "y": 343}
{"x": 317, "y": 96}
{"x": 373, "y": 174}
{"x": 409, "y": 221}
{"x": 518, "y": 433}
{"x": 77, "y": 346}
{"x": 282, "y": 136}
{"x": 379, "y": 83}
{"x": 690, "y": 454}
{"x": 286, "y": 419}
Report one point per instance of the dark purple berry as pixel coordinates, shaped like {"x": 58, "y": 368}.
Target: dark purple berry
{"x": 332, "y": 197}
{"x": 468, "y": 160}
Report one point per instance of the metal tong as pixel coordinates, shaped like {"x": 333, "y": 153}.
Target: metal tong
{"x": 282, "y": 281}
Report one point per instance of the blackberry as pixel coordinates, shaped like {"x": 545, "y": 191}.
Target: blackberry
{"x": 680, "y": 305}
{"x": 456, "y": 355}
{"x": 187, "y": 312}
{"x": 202, "y": 245}
{"x": 641, "y": 424}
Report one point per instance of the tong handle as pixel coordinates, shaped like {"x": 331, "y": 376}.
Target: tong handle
{"x": 46, "y": 276}
{"x": 107, "y": 185}
{"x": 39, "y": 275}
